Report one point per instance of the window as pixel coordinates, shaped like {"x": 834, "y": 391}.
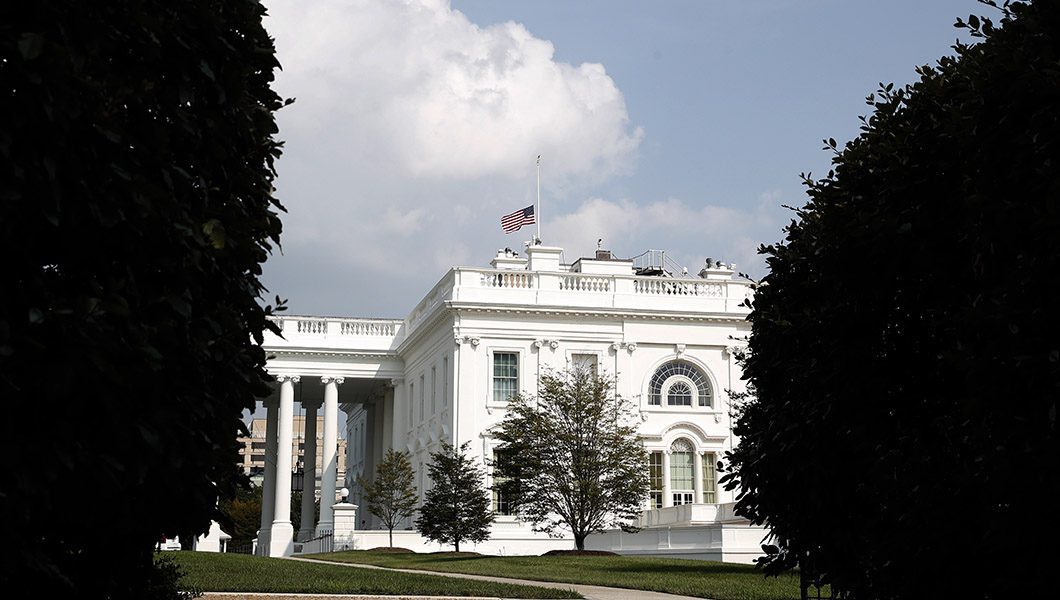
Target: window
{"x": 445, "y": 382}
{"x": 505, "y": 375}
{"x": 502, "y": 504}
{"x": 586, "y": 362}
{"x": 423, "y": 392}
{"x": 679, "y": 394}
{"x": 682, "y": 483}
{"x": 655, "y": 479}
{"x": 681, "y": 383}
{"x": 412, "y": 396}
{"x": 708, "y": 478}
{"x": 434, "y": 395}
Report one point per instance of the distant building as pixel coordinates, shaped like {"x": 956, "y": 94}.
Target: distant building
{"x": 446, "y": 371}
{"x": 252, "y": 454}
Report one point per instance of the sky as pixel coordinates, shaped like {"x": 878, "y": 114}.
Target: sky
{"x": 672, "y": 125}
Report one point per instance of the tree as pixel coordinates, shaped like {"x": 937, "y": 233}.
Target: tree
{"x": 391, "y": 496}
{"x": 572, "y": 456}
{"x": 136, "y": 173}
{"x": 903, "y": 347}
{"x": 457, "y": 507}
{"x": 243, "y": 513}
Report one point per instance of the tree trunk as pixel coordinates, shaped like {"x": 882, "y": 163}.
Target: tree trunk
{"x": 391, "y": 533}
{"x": 456, "y": 544}
{"x": 579, "y": 541}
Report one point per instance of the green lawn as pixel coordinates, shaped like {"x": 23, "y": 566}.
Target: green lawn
{"x": 722, "y": 581}
{"x": 212, "y": 572}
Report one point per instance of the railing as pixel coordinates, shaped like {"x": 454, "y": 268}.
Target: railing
{"x": 241, "y": 548}
{"x": 658, "y": 286}
{"x": 585, "y": 283}
{"x": 325, "y": 542}
{"x": 508, "y": 279}
{"x": 341, "y": 326}
{"x": 379, "y": 328}
{"x": 312, "y": 326}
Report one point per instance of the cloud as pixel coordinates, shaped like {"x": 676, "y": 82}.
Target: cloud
{"x": 412, "y": 132}
{"x": 414, "y": 86}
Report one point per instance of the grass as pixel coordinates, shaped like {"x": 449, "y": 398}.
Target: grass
{"x": 212, "y": 572}
{"x": 722, "y": 581}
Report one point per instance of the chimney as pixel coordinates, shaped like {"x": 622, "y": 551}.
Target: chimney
{"x": 603, "y": 255}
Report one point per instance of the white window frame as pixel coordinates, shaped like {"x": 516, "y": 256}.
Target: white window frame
{"x": 595, "y": 354}
{"x": 676, "y": 378}
{"x": 492, "y": 392}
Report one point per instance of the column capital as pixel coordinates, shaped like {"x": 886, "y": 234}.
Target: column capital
{"x": 326, "y": 379}
{"x": 466, "y": 339}
{"x": 312, "y": 403}
{"x": 286, "y": 378}
{"x": 397, "y": 382}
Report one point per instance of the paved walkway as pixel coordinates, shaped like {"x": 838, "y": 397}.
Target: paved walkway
{"x": 591, "y": 592}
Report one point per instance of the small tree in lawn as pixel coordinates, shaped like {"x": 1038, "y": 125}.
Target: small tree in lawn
{"x": 457, "y": 508}
{"x": 392, "y": 496}
{"x": 572, "y": 456}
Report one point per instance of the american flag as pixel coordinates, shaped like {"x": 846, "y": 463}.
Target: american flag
{"x": 517, "y": 219}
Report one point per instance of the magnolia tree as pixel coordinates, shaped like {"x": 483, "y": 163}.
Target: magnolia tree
{"x": 571, "y": 457}
{"x": 391, "y": 495}
{"x": 904, "y": 352}
{"x": 136, "y": 210}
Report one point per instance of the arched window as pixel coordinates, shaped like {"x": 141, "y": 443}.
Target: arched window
{"x": 682, "y": 477}
{"x": 681, "y": 383}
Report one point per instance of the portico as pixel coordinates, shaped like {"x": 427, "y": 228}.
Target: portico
{"x": 350, "y": 362}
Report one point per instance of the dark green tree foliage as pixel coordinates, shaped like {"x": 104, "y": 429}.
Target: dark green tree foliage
{"x": 391, "y": 495}
{"x": 136, "y": 209}
{"x": 457, "y": 507}
{"x": 905, "y": 347}
{"x": 243, "y": 513}
{"x": 573, "y": 460}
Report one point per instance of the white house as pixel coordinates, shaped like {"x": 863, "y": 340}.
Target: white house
{"x": 444, "y": 373}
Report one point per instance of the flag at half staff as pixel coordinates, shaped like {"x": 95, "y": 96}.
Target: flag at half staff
{"x": 517, "y": 219}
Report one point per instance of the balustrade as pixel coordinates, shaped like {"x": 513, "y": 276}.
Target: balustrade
{"x": 521, "y": 280}
{"x": 317, "y": 326}
{"x": 585, "y": 283}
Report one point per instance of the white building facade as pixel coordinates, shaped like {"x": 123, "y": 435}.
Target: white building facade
{"x": 445, "y": 373}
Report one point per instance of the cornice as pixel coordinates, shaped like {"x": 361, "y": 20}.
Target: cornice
{"x": 425, "y": 326}
{"x": 319, "y": 353}
{"x": 593, "y": 312}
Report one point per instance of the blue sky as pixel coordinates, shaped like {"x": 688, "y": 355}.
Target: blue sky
{"x": 674, "y": 125}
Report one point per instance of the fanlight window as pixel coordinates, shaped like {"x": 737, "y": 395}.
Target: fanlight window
{"x": 681, "y": 383}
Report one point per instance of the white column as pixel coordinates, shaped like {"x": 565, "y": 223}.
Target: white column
{"x": 281, "y": 541}
{"x": 309, "y": 478}
{"x": 388, "y": 419}
{"x": 397, "y": 423}
{"x": 268, "y": 489}
{"x": 697, "y": 476}
{"x": 668, "y": 497}
{"x": 329, "y": 469}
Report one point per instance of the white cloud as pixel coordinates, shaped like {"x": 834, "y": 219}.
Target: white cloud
{"x": 412, "y": 132}
{"x": 417, "y": 87}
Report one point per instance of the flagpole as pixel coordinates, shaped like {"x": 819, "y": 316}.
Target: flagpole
{"x": 538, "y": 219}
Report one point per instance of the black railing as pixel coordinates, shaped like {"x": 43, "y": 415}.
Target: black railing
{"x": 240, "y": 548}
{"x": 325, "y": 542}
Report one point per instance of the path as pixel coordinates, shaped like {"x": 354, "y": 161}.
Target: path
{"x": 591, "y": 592}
